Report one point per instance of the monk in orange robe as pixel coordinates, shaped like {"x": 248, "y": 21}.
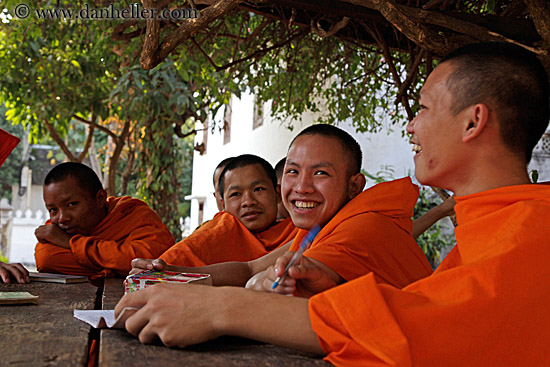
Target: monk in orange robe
{"x": 225, "y": 238}
{"x": 374, "y": 229}
{"x": 247, "y": 229}
{"x": 483, "y": 109}
{"x": 315, "y": 191}
{"x": 91, "y": 234}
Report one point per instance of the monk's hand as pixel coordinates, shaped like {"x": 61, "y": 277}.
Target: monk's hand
{"x": 179, "y": 315}
{"x": 287, "y": 284}
{"x": 258, "y": 282}
{"x": 15, "y": 271}
{"x": 54, "y": 235}
{"x": 305, "y": 278}
{"x": 139, "y": 265}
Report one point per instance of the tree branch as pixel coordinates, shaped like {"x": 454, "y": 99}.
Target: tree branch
{"x": 387, "y": 55}
{"x": 99, "y": 127}
{"x": 265, "y": 50}
{"x": 540, "y": 13}
{"x": 154, "y": 52}
{"x": 203, "y": 52}
{"x": 411, "y": 75}
{"x": 89, "y": 140}
{"x": 55, "y": 136}
{"x": 318, "y": 30}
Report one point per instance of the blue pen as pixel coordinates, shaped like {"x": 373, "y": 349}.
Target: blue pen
{"x": 303, "y": 246}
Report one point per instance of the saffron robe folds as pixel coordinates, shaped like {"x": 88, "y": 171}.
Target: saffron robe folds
{"x": 372, "y": 233}
{"x": 131, "y": 229}
{"x": 225, "y": 238}
{"x": 485, "y": 305}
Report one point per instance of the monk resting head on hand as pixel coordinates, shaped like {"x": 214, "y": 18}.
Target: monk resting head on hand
{"x": 76, "y": 202}
{"x": 320, "y": 176}
{"x": 15, "y": 271}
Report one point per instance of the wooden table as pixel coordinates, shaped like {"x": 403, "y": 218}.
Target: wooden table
{"x": 119, "y": 348}
{"x": 46, "y": 334}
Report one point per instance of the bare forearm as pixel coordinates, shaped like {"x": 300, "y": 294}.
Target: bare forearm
{"x": 421, "y": 224}
{"x": 270, "y": 318}
{"x": 229, "y": 273}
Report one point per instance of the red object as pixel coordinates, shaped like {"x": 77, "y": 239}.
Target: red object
{"x": 7, "y": 143}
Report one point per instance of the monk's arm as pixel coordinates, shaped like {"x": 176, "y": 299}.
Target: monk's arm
{"x": 147, "y": 240}
{"x": 421, "y": 224}
{"x": 184, "y": 315}
{"x": 228, "y": 273}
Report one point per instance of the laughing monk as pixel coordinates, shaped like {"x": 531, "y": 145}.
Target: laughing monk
{"x": 91, "y": 234}
{"x": 483, "y": 109}
{"x": 247, "y": 229}
{"x": 362, "y": 232}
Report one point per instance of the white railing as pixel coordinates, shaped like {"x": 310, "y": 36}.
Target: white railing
{"x": 18, "y": 240}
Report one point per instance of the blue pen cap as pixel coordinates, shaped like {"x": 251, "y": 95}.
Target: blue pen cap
{"x": 311, "y": 235}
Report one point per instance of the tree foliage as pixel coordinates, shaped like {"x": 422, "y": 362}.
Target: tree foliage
{"x": 361, "y": 60}
{"x": 355, "y": 58}
{"x": 64, "y": 79}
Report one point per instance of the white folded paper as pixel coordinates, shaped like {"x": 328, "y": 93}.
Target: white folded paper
{"x": 104, "y": 319}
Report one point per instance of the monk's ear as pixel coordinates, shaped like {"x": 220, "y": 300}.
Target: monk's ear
{"x": 101, "y": 198}
{"x": 356, "y": 185}
{"x": 278, "y": 192}
{"x": 476, "y": 117}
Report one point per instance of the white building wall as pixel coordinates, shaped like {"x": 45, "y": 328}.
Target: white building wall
{"x": 271, "y": 140}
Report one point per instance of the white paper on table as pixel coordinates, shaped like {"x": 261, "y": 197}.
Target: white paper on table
{"x": 104, "y": 319}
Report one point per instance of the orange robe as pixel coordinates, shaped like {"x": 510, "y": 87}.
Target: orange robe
{"x": 131, "y": 229}
{"x": 224, "y": 238}
{"x": 487, "y": 304}
{"x": 7, "y": 143}
{"x": 372, "y": 233}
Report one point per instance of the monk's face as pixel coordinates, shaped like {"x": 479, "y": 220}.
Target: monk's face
{"x": 436, "y": 133}
{"x": 250, "y": 196}
{"x": 316, "y": 182}
{"x": 219, "y": 202}
{"x": 72, "y": 208}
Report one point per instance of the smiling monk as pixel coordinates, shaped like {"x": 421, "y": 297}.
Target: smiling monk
{"x": 247, "y": 229}
{"x": 484, "y": 108}
{"x": 91, "y": 234}
{"x": 362, "y": 231}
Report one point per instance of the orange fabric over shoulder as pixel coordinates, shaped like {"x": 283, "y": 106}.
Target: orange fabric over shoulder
{"x": 372, "y": 233}
{"x": 225, "y": 238}
{"x": 131, "y": 229}
{"x": 485, "y": 305}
